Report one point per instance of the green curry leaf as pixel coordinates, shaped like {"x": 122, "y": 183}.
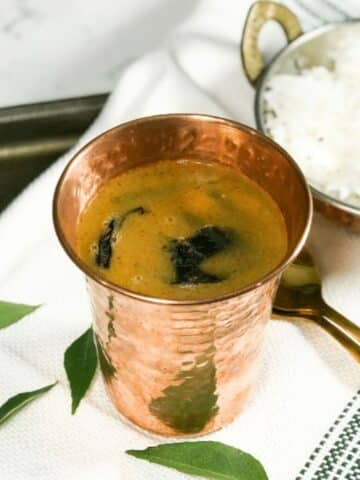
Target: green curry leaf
{"x": 17, "y": 402}
{"x": 13, "y": 312}
{"x": 212, "y": 460}
{"x": 80, "y": 362}
{"x": 108, "y": 237}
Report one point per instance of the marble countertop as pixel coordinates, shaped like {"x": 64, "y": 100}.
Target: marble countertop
{"x": 54, "y": 49}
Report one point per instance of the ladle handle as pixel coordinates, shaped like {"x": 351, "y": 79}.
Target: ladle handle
{"x": 342, "y": 322}
{"x": 258, "y": 15}
{"x": 342, "y": 336}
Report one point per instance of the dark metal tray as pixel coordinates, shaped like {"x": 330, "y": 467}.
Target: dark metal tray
{"x": 33, "y": 136}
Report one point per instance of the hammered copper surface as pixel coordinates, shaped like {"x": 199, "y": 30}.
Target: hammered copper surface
{"x": 181, "y": 367}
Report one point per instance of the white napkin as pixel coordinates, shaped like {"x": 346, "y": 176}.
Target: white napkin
{"x": 306, "y": 377}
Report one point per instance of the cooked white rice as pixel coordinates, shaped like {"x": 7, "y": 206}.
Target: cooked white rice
{"x": 315, "y": 116}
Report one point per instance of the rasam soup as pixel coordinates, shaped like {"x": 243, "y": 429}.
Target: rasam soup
{"x": 182, "y": 230}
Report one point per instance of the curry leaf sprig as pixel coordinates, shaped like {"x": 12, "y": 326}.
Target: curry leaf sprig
{"x": 11, "y": 313}
{"x": 80, "y": 361}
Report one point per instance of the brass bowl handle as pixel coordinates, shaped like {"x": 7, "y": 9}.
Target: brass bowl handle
{"x": 258, "y": 15}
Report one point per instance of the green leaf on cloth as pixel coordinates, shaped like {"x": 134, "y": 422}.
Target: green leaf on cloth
{"x": 80, "y": 362}
{"x": 212, "y": 460}
{"x": 17, "y": 402}
{"x": 13, "y": 312}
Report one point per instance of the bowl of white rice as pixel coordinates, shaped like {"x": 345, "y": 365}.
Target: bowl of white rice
{"x": 308, "y": 101}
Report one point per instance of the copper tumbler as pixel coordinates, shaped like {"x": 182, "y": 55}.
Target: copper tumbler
{"x": 181, "y": 368}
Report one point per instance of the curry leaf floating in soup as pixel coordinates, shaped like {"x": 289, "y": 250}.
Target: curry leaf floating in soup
{"x": 182, "y": 230}
{"x": 188, "y": 253}
{"x": 108, "y": 237}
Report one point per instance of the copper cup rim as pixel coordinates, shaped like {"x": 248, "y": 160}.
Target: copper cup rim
{"x": 89, "y": 272}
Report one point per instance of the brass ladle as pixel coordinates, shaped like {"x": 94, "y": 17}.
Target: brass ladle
{"x": 299, "y": 296}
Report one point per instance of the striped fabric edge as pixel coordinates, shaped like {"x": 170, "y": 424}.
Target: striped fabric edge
{"x": 337, "y": 456}
{"x": 313, "y": 13}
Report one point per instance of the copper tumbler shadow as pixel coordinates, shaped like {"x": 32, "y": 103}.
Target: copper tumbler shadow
{"x": 181, "y": 368}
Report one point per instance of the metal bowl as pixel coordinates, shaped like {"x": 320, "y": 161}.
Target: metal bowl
{"x": 313, "y": 48}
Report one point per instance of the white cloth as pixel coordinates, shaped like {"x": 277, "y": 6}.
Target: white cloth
{"x": 306, "y": 377}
